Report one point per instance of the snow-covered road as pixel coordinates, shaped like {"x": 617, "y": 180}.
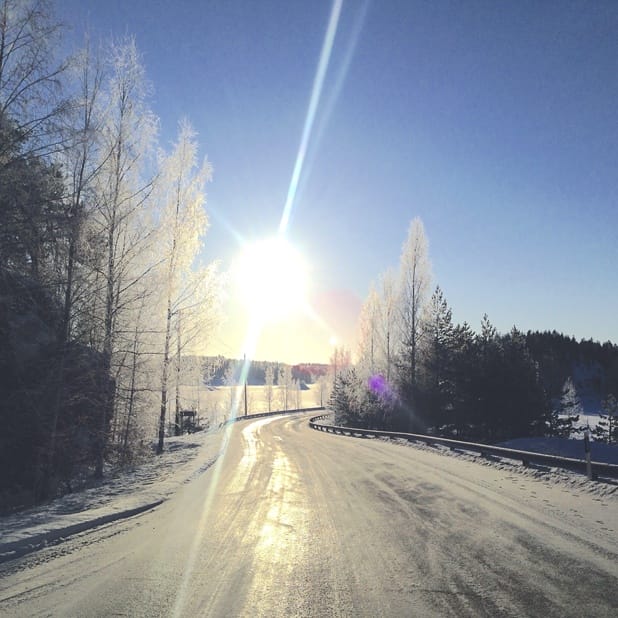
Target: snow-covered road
{"x": 293, "y": 522}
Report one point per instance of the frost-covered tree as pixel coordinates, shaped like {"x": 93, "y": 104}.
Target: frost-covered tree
{"x": 298, "y": 394}
{"x": 31, "y": 79}
{"x": 414, "y": 280}
{"x": 32, "y": 104}
{"x": 284, "y": 381}
{"x": 340, "y": 360}
{"x": 189, "y": 292}
{"x": 118, "y": 228}
{"x": 269, "y": 381}
{"x": 321, "y": 393}
{"x": 231, "y": 381}
{"x": 346, "y": 397}
{"x": 388, "y": 331}
{"x": 80, "y": 161}
{"x": 606, "y": 429}
{"x": 567, "y": 414}
{"x": 369, "y": 334}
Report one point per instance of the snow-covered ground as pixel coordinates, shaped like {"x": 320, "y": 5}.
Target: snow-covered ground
{"x": 147, "y": 484}
{"x": 215, "y": 402}
{"x": 563, "y": 447}
{"x": 567, "y": 479}
{"x": 190, "y": 455}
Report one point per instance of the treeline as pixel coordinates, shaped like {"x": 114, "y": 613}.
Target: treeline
{"x": 221, "y": 371}
{"x": 101, "y": 290}
{"x": 420, "y": 372}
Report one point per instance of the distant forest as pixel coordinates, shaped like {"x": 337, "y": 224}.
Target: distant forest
{"x": 221, "y": 371}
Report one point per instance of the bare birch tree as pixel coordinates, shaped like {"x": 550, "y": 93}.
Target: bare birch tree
{"x": 189, "y": 291}
{"x": 80, "y": 161}
{"x": 284, "y": 381}
{"x": 389, "y": 322}
{"x": 31, "y": 96}
{"x": 118, "y": 225}
{"x": 369, "y": 335}
{"x": 415, "y": 277}
{"x": 269, "y": 380}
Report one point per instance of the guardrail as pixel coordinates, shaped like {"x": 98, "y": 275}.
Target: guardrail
{"x": 599, "y": 469}
{"x": 242, "y": 417}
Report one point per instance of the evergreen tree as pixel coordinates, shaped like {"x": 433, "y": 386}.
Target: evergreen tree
{"x": 463, "y": 367}
{"x": 435, "y": 383}
{"x": 564, "y": 417}
{"x": 607, "y": 427}
{"x": 522, "y": 393}
{"x": 344, "y": 399}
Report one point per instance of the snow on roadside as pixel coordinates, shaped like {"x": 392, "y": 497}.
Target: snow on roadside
{"x": 566, "y": 447}
{"x": 547, "y": 475}
{"x": 153, "y": 481}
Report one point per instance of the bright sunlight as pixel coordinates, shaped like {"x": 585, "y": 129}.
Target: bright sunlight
{"x": 272, "y": 280}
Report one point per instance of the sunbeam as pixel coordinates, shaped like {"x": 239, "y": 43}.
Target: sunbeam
{"x": 316, "y": 92}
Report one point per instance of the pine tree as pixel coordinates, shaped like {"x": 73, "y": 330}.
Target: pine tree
{"x": 607, "y": 426}
{"x": 568, "y": 412}
{"x": 463, "y": 366}
{"x": 436, "y": 388}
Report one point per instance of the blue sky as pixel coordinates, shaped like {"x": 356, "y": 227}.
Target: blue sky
{"x": 495, "y": 123}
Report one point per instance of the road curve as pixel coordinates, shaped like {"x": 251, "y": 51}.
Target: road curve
{"x": 293, "y": 522}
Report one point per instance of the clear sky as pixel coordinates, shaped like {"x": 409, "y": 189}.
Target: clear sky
{"x": 496, "y": 123}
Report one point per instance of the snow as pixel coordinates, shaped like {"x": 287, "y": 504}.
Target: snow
{"x": 187, "y": 456}
{"x": 119, "y": 496}
{"x": 563, "y": 447}
{"x": 567, "y": 480}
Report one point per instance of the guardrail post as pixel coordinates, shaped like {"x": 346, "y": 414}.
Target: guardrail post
{"x": 587, "y": 449}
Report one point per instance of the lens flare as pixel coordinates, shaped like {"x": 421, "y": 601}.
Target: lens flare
{"x": 318, "y": 83}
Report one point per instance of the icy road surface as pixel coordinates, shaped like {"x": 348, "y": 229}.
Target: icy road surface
{"x": 294, "y": 522}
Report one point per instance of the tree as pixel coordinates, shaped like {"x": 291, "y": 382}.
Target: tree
{"x": 340, "y": 359}
{"x": 369, "y": 335}
{"x": 607, "y": 426}
{"x": 345, "y": 399}
{"x": 118, "y": 225}
{"x": 523, "y": 397}
{"x": 568, "y": 411}
{"x": 80, "y": 162}
{"x": 436, "y": 388}
{"x": 388, "y": 322}
{"x": 231, "y": 381}
{"x": 414, "y": 279}
{"x": 269, "y": 380}
{"x": 31, "y": 95}
{"x": 187, "y": 294}
{"x": 298, "y": 394}
{"x": 463, "y": 369}
{"x": 284, "y": 381}
{"x": 31, "y": 215}
{"x": 322, "y": 390}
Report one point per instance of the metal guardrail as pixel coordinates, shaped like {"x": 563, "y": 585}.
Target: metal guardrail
{"x": 242, "y": 417}
{"x": 599, "y": 469}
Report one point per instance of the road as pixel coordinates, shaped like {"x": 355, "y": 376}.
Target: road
{"x": 294, "y": 522}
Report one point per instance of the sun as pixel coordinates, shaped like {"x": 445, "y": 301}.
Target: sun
{"x": 271, "y": 280}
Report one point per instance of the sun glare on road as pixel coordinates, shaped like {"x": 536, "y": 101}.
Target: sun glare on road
{"x": 272, "y": 280}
